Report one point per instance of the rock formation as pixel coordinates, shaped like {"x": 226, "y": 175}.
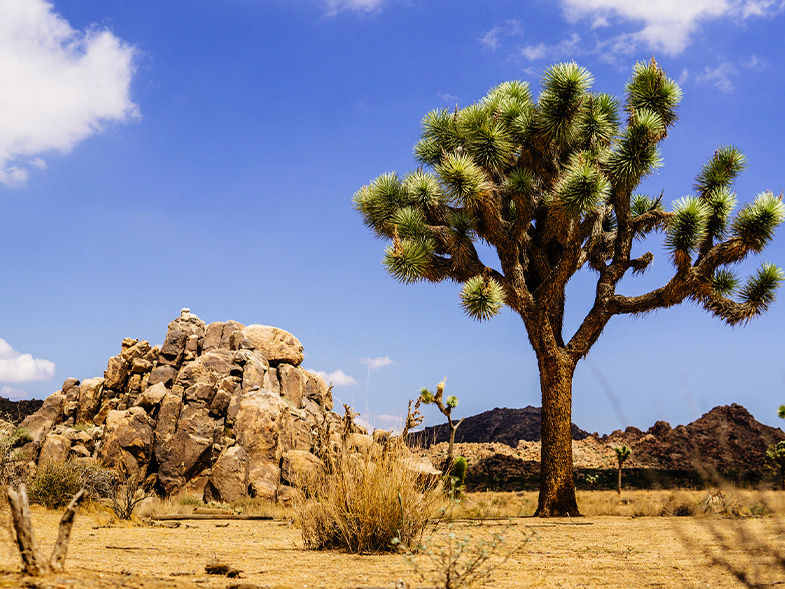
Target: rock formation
{"x": 219, "y": 408}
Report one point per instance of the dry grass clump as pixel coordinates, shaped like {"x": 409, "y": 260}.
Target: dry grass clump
{"x": 365, "y": 500}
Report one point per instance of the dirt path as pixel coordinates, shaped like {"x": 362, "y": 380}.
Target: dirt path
{"x": 590, "y": 552}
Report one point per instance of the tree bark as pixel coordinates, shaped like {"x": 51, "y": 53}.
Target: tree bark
{"x": 557, "y": 485}
{"x": 618, "y": 486}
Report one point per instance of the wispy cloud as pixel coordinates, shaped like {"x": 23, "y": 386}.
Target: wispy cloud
{"x": 336, "y": 6}
{"x": 719, "y": 77}
{"x": 375, "y": 363}
{"x": 491, "y": 39}
{"x": 337, "y": 377}
{"x": 566, "y": 48}
{"x": 59, "y": 86}
{"x": 12, "y": 393}
{"x": 666, "y": 25}
{"x": 18, "y": 367}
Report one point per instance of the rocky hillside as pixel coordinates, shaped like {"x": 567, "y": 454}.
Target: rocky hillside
{"x": 16, "y": 411}
{"x": 502, "y": 426}
{"x": 223, "y": 409}
{"x": 727, "y": 440}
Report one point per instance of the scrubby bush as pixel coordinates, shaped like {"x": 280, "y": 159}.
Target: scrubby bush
{"x": 54, "y": 485}
{"x": 10, "y": 440}
{"x": 365, "y": 500}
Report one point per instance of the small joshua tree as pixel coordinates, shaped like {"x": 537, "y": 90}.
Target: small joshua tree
{"x": 446, "y": 408}
{"x": 622, "y": 454}
{"x": 775, "y": 457}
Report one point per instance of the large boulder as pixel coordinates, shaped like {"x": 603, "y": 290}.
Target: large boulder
{"x": 262, "y": 427}
{"x": 229, "y": 477}
{"x": 128, "y": 440}
{"x": 189, "y": 450}
{"x": 91, "y": 395}
{"x": 275, "y": 344}
{"x": 40, "y": 423}
{"x": 178, "y": 337}
{"x": 116, "y": 373}
{"x": 300, "y": 468}
{"x": 55, "y": 450}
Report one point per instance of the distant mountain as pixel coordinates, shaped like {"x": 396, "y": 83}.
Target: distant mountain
{"x": 16, "y": 411}
{"x": 727, "y": 438}
{"x": 504, "y": 426}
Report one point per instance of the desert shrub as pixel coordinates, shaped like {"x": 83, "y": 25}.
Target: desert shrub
{"x": 362, "y": 501}
{"x": 54, "y": 485}
{"x": 458, "y": 474}
{"x": 10, "y": 440}
{"x": 127, "y": 494}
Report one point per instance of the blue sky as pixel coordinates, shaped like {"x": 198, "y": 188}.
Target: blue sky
{"x": 204, "y": 153}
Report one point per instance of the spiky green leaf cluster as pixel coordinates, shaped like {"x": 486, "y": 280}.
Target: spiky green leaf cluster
{"x": 622, "y": 452}
{"x": 464, "y": 180}
{"x": 637, "y": 155}
{"x": 651, "y": 90}
{"x": 426, "y": 396}
{"x": 724, "y": 282}
{"x": 423, "y": 189}
{"x": 482, "y": 298}
{"x": 755, "y": 223}
{"x": 407, "y": 260}
{"x": 720, "y": 171}
{"x": 721, "y": 202}
{"x": 564, "y": 89}
{"x": 451, "y": 401}
{"x": 582, "y": 188}
{"x": 687, "y": 227}
{"x": 760, "y": 290}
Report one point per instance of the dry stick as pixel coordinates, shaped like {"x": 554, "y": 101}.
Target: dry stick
{"x": 57, "y": 561}
{"x": 32, "y": 561}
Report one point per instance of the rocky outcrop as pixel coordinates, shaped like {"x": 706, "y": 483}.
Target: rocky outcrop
{"x": 220, "y": 406}
{"x": 503, "y": 426}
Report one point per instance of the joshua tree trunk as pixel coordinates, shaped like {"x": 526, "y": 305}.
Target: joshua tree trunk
{"x": 618, "y": 485}
{"x": 557, "y": 486}
{"x": 453, "y": 427}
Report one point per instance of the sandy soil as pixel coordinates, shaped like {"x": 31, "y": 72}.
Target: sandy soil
{"x": 607, "y": 551}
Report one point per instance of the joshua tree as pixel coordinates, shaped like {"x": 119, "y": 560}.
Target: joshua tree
{"x": 781, "y": 412}
{"x": 550, "y": 184}
{"x": 446, "y": 408}
{"x": 622, "y": 454}
{"x": 775, "y": 456}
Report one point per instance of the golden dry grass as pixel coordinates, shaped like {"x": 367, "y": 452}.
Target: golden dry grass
{"x": 611, "y": 550}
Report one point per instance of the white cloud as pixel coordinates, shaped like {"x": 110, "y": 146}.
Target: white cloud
{"x": 375, "y": 363}
{"x": 719, "y": 77}
{"x": 337, "y": 377}
{"x": 564, "y": 49}
{"x": 336, "y": 6}
{"x": 491, "y": 39}
{"x": 59, "y": 86}
{"x": 13, "y": 393}
{"x": 667, "y": 25}
{"x": 17, "y": 367}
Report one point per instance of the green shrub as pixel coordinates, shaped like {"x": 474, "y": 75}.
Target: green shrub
{"x": 54, "y": 485}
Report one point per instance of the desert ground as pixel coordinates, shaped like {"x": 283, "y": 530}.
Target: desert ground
{"x": 625, "y": 549}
